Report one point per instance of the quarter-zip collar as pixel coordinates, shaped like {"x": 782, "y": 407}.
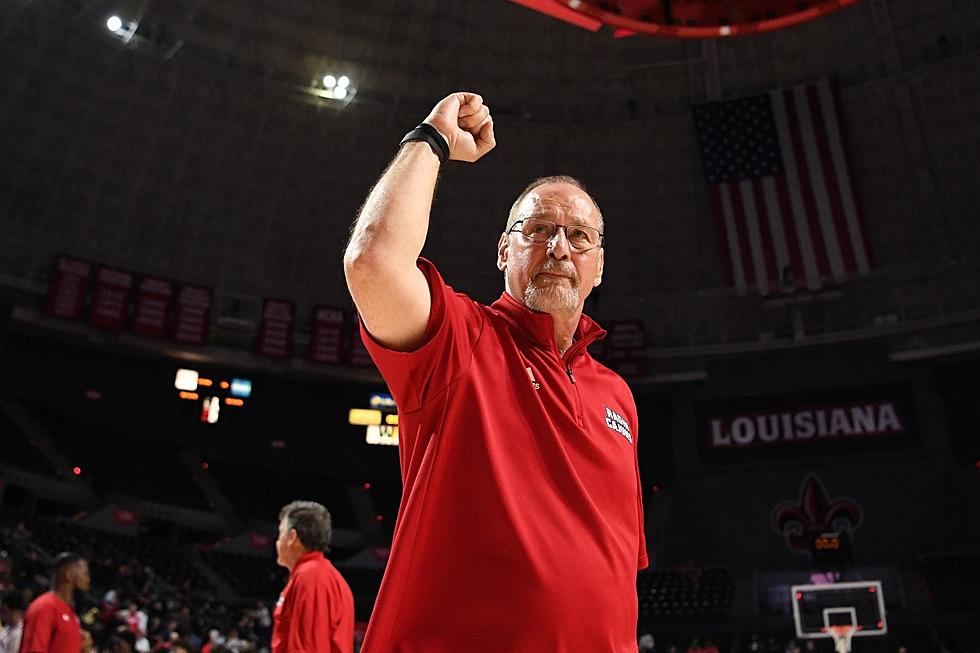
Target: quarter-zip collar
{"x": 539, "y": 328}
{"x": 309, "y": 556}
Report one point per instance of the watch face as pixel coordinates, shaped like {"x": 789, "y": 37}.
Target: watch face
{"x": 689, "y": 19}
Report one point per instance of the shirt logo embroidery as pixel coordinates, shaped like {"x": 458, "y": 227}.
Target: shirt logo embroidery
{"x": 534, "y": 384}
{"x": 65, "y": 617}
{"x": 618, "y": 423}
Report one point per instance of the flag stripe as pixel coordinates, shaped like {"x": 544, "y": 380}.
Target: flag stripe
{"x": 782, "y": 243}
{"x": 744, "y": 198}
{"x": 850, "y": 210}
{"x": 726, "y": 242}
{"x": 736, "y": 244}
{"x": 793, "y": 239}
{"x": 832, "y": 192}
{"x": 769, "y": 242}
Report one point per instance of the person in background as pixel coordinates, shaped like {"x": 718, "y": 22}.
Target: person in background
{"x": 50, "y": 623}
{"x": 315, "y": 612}
{"x": 12, "y": 614}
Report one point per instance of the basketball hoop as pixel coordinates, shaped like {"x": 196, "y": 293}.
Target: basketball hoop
{"x": 842, "y": 637}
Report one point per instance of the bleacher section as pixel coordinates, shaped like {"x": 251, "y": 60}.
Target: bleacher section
{"x": 251, "y": 577}
{"x": 687, "y": 593}
{"x": 166, "y": 561}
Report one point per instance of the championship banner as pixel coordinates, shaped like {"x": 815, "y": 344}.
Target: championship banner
{"x": 328, "y": 335}
{"x": 66, "y": 295}
{"x": 832, "y": 422}
{"x": 152, "y": 312}
{"x": 110, "y": 299}
{"x": 358, "y": 354}
{"x": 193, "y": 315}
{"x": 276, "y": 329}
{"x": 625, "y": 352}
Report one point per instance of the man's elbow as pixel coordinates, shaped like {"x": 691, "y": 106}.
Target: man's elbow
{"x": 359, "y": 264}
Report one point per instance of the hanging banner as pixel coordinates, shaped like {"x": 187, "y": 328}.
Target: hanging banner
{"x": 152, "y": 312}
{"x": 327, "y": 335}
{"x": 193, "y": 315}
{"x": 110, "y": 299}
{"x": 276, "y": 329}
{"x": 66, "y": 295}
{"x": 831, "y": 422}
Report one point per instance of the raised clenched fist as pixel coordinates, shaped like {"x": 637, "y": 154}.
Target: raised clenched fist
{"x": 465, "y": 122}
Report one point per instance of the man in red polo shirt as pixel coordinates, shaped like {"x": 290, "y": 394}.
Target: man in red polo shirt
{"x": 521, "y": 521}
{"x": 315, "y": 613}
{"x": 50, "y": 623}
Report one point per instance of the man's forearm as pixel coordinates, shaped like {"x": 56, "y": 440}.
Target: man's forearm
{"x": 392, "y": 225}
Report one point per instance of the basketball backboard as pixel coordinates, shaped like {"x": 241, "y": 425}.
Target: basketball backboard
{"x": 816, "y": 608}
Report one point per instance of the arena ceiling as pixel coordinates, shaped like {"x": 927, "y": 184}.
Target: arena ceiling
{"x": 202, "y": 149}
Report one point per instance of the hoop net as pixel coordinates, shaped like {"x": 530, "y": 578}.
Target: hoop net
{"x": 842, "y": 637}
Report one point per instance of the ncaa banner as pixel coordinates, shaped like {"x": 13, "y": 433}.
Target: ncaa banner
{"x": 820, "y": 423}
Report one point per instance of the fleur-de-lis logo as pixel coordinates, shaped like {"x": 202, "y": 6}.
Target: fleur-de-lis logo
{"x": 814, "y": 513}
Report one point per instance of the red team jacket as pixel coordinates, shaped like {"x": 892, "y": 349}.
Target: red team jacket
{"x": 51, "y": 626}
{"x": 315, "y": 613}
{"x": 521, "y": 521}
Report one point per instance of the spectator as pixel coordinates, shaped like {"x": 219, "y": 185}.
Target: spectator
{"x": 50, "y": 623}
{"x": 123, "y": 641}
{"x": 180, "y": 646}
{"x": 645, "y": 643}
{"x": 316, "y": 609}
{"x": 215, "y": 640}
{"x": 12, "y": 614}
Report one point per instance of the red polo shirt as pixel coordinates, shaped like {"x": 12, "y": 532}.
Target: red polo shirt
{"x": 51, "y": 626}
{"x": 521, "y": 522}
{"x": 315, "y": 613}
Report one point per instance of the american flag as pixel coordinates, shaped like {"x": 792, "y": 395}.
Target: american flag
{"x": 781, "y": 189}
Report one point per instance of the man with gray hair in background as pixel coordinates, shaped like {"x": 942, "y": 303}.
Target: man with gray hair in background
{"x": 315, "y": 612}
{"x": 521, "y": 521}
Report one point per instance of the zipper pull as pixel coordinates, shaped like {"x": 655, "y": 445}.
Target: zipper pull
{"x": 568, "y": 370}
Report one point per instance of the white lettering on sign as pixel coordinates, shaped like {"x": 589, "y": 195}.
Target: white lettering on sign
{"x": 864, "y": 420}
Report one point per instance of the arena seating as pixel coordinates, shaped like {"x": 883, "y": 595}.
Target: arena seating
{"x": 250, "y": 576}
{"x": 684, "y": 593}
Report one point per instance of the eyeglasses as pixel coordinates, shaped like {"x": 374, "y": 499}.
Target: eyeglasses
{"x": 581, "y": 237}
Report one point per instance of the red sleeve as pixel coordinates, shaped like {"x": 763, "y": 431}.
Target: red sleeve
{"x": 455, "y": 325}
{"x": 38, "y": 629}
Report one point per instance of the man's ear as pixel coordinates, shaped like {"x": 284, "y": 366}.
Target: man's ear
{"x": 503, "y": 247}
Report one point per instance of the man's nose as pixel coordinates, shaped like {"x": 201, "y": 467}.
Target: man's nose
{"x": 558, "y": 246}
